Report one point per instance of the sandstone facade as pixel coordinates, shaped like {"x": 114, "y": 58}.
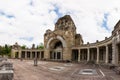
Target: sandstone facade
{"x": 63, "y": 43}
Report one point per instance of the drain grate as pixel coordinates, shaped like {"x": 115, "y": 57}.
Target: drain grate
{"x": 67, "y": 64}
{"x": 57, "y": 68}
{"x": 42, "y": 63}
{"x": 88, "y": 71}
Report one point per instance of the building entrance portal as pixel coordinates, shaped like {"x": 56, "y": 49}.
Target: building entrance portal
{"x": 56, "y": 50}
{"x": 55, "y": 55}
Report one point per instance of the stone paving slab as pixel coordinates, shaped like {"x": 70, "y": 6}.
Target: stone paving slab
{"x": 24, "y": 70}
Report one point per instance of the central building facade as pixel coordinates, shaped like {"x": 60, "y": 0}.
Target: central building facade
{"x": 58, "y": 43}
{"x": 63, "y": 44}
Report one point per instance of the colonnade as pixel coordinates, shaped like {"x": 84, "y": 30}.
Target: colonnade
{"x": 30, "y": 54}
{"x": 98, "y": 54}
{"x": 56, "y": 55}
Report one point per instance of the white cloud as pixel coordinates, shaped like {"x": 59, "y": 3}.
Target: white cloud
{"x": 33, "y": 17}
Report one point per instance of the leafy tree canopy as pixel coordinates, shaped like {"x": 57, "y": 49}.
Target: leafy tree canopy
{"x": 40, "y": 46}
{"x": 5, "y": 50}
{"x": 23, "y": 46}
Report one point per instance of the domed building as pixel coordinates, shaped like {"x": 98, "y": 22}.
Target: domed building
{"x": 65, "y": 44}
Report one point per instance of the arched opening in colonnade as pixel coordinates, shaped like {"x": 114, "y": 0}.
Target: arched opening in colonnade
{"x": 93, "y": 54}
{"x": 102, "y": 54}
{"x": 56, "y": 49}
{"x": 75, "y": 55}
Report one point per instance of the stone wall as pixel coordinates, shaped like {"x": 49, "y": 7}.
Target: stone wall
{"x": 65, "y": 32}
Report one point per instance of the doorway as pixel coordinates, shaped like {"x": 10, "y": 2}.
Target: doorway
{"x": 16, "y": 54}
{"x": 75, "y": 55}
{"x": 55, "y": 55}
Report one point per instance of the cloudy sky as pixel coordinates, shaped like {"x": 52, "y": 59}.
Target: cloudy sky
{"x": 25, "y": 21}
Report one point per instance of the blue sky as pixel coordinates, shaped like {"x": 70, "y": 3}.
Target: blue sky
{"x": 104, "y": 23}
{"x": 25, "y": 21}
{"x": 2, "y": 13}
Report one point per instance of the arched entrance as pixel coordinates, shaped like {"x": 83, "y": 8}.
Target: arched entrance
{"x": 56, "y": 49}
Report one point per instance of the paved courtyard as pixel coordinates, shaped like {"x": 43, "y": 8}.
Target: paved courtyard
{"x": 25, "y": 70}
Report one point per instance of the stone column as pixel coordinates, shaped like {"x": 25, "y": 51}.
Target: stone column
{"x": 88, "y": 54}
{"x": 25, "y": 54}
{"x": 97, "y": 55}
{"x": 20, "y": 54}
{"x": 106, "y": 59}
{"x": 114, "y": 52}
{"x": 78, "y": 55}
{"x": 116, "y": 55}
{"x": 30, "y": 54}
{"x": 61, "y": 55}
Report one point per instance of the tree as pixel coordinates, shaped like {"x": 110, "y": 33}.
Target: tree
{"x": 0, "y": 50}
{"x": 40, "y": 46}
{"x": 23, "y": 46}
{"x": 5, "y": 50}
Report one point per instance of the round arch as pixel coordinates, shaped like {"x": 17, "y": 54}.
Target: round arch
{"x": 59, "y": 38}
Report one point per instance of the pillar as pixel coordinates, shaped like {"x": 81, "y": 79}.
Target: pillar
{"x": 114, "y": 54}
{"x": 79, "y": 55}
{"x": 88, "y": 55}
{"x": 97, "y": 54}
{"x": 25, "y": 54}
{"x": 61, "y": 55}
{"x": 114, "y": 51}
{"x": 106, "y": 59}
{"x": 19, "y": 54}
{"x": 30, "y": 54}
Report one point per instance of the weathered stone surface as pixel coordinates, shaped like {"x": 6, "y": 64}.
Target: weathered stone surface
{"x": 59, "y": 71}
{"x": 6, "y": 69}
{"x": 64, "y": 43}
{"x": 65, "y": 32}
